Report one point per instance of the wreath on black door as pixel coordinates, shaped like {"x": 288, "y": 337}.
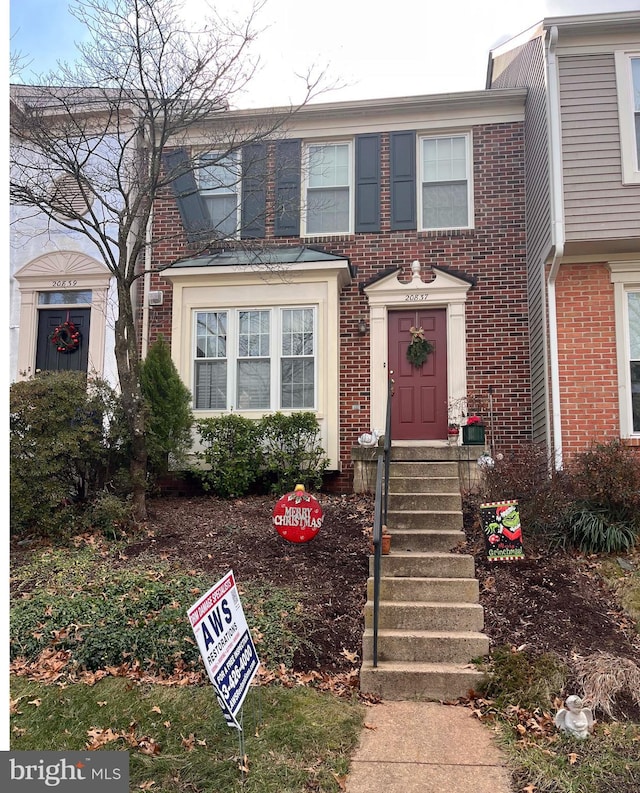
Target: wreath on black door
{"x": 66, "y": 337}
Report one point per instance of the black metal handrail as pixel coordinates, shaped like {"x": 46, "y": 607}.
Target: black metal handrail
{"x": 380, "y": 514}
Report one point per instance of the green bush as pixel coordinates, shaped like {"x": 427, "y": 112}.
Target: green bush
{"x": 66, "y": 444}
{"x": 110, "y": 515}
{"x": 168, "y": 400}
{"x": 593, "y": 504}
{"x": 527, "y": 475}
{"x": 606, "y": 478}
{"x": 232, "y": 454}
{"x": 273, "y": 454}
{"x": 593, "y": 530}
{"x": 524, "y": 679}
{"x": 292, "y": 451}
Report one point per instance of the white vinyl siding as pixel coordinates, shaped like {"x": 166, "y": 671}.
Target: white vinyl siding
{"x": 219, "y": 183}
{"x": 600, "y": 197}
{"x": 445, "y": 182}
{"x": 262, "y": 359}
{"x": 329, "y": 188}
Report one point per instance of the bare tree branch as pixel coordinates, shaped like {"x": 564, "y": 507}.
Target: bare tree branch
{"x": 87, "y": 144}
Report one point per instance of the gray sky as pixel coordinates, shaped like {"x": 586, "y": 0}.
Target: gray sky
{"x": 424, "y": 47}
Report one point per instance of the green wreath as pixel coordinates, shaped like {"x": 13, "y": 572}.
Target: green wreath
{"x": 66, "y": 337}
{"x": 419, "y": 349}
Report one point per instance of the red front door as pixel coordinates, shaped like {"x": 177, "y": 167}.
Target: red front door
{"x": 419, "y": 403}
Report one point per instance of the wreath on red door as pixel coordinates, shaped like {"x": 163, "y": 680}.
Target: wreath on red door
{"x": 419, "y": 349}
{"x": 66, "y": 337}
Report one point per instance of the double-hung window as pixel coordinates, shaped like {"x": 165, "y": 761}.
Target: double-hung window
{"x": 255, "y": 359}
{"x": 219, "y": 183}
{"x": 445, "y": 182}
{"x": 628, "y": 83}
{"x": 328, "y": 188}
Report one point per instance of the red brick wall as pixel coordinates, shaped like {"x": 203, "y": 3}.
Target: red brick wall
{"x": 586, "y": 356}
{"x": 493, "y": 253}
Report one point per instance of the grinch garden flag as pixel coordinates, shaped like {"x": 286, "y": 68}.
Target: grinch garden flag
{"x": 502, "y": 530}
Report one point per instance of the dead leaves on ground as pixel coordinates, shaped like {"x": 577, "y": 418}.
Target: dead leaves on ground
{"x": 99, "y": 738}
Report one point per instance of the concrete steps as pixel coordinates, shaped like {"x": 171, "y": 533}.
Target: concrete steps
{"x": 429, "y": 620}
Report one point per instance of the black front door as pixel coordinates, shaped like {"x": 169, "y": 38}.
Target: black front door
{"x": 48, "y": 357}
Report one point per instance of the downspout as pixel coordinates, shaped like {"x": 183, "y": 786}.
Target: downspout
{"x": 146, "y": 282}
{"x": 557, "y": 234}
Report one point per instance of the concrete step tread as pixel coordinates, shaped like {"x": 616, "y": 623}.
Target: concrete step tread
{"x": 417, "y": 531}
{"x": 399, "y": 553}
{"x": 423, "y": 667}
{"x": 440, "y": 604}
{"x": 435, "y": 555}
{"x": 424, "y": 512}
{"x": 421, "y": 634}
{"x": 421, "y": 579}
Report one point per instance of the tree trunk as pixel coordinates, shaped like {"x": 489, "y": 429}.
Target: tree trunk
{"x": 128, "y": 362}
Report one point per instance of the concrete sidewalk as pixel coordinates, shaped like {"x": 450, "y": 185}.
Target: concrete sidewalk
{"x": 425, "y": 747}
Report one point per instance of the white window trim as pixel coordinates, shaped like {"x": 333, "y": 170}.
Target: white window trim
{"x": 625, "y": 277}
{"x": 628, "y": 146}
{"x": 305, "y": 187}
{"x": 275, "y": 358}
{"x": 204, "y": 192}
{"x": 419, "y": 171}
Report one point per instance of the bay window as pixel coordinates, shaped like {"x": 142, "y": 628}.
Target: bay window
{"x": 255, "y": 359}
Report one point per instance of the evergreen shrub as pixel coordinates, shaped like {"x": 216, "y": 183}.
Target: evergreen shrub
{"x": 168, "y": 400}
{"x": 67, "y": 442}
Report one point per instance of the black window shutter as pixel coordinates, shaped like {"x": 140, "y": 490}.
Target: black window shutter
{"x": 195, "y": 218}
{"x": 254, "y": 190}
{"x": 367, "y": 183}
{"x": 287, "y": 179}
{"x": 403, "y": 181}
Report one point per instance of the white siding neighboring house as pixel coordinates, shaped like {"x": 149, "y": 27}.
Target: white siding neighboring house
{"x": 56, "y": 275}
{"x": 582, "y": 133}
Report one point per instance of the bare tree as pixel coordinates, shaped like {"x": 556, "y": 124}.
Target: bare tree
{"x": 87, "y": 144}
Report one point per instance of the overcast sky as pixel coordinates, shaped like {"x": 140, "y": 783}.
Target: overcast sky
{"x": 403, "y": 48}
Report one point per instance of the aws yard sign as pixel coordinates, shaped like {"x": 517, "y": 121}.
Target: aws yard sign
{"x": 225, "y": 644}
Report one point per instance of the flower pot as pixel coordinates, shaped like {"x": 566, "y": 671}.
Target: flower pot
{"x": 385, "y": 544}
{"x": 473, "y": 435}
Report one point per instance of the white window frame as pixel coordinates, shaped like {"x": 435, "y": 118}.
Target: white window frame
{"x": 306, "y": 188}
{"x": 228, "y": 190}
{"x": 275, "y": 357}
{"x": 626, "y": 114}
{"x": 625, "y": 277}
{"x": 466, "y": 136}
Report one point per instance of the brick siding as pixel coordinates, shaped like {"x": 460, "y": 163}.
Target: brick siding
{"x": 493, "y": 253}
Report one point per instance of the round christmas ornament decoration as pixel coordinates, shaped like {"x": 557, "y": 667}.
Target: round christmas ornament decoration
{"x": 297, "y": 516}
{"x": 66, "y": 337}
